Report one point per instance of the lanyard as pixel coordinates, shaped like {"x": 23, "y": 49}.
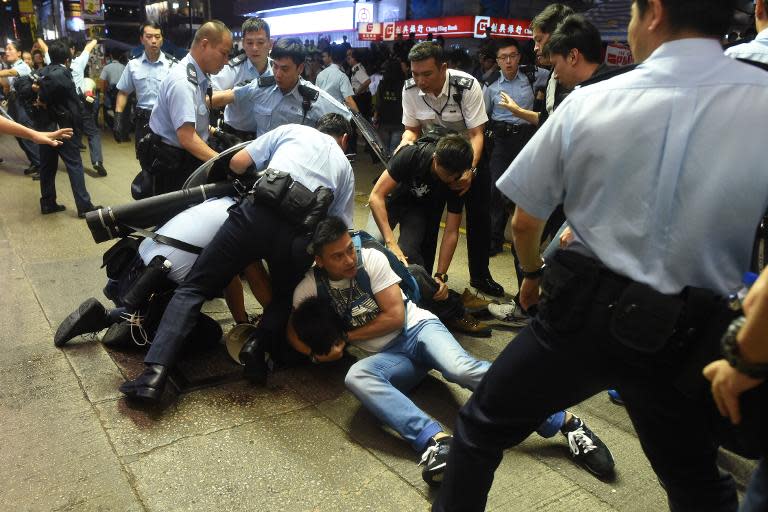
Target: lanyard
{"x": 440, "y": 113}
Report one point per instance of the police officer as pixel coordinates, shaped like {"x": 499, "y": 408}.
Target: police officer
{"x": 638, "y": 300}
{"x": 508, "y": 134}
{"x": 143, "y": 75}
{"x": 333, "y": 80}
{"x": 179, "y": 121}
{"x": 255, "y": 231}
{"x": 251, "y": 65}
{"x": 452, "y": 100}
{"x": 62, "y": 107}
{"x": 15, "y": 106}
{"x": 90, "y": 106}
{"x": 285, "y": 97}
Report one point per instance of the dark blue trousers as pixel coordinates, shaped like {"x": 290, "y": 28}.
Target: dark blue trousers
{"x": 70, "y": 154}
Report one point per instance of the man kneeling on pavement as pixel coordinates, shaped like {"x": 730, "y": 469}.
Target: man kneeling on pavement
{"x": 404, "y": 341}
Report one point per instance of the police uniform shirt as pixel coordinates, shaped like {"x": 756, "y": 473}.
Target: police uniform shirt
{"x": 238, "y": 70}
{"x": 180, "y": 100}
{"x": 333, "y": 81}
{"x": 425, "y": 109}
{"x": 519, "y": 89}
{"x": 756, "y": 49}
{"x": 78, "y": 70}
{"x": 652, "y": 186}
{"x": 144, "y": 77}
{"x": 21, "y": 68}
{"x": 313, "y": 159}
{"x": 359, "y": 76}
{"x": 271, "y": 108}
{"x": 196, "y": 226}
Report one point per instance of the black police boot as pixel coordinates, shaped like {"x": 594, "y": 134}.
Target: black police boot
{"x": 252, "y": 356}
{"x": 488, "y": 286}
{"x": 148, "y": 386}
{"x": 47, "y": 208}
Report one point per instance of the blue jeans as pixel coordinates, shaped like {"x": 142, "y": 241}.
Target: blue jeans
{"x": 756, "y": 498}
{"x": 92, "y": 131}
{"x": 19, "y": 114}
{"x": 379, "y": 381}
{"x": 49, "y": 157}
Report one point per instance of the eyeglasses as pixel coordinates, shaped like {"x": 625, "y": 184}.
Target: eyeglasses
{"x": 512, "y": 56}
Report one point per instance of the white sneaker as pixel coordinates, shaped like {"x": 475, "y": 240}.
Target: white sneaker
{"x": 511, "y": 314}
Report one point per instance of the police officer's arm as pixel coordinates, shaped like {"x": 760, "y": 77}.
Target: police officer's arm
{"x": 9, "y": 127}
{"x": 527, "y": 231}
{"x": 88, "y": 48}
{"x": 391, "y": 315}
{"x": 727, "y": 382}
{"x": 124, "y": 89}
{"x": 222, "y": 98}
{"x": 120, "y": 102}
{"x": 377, "y": 202}
{"x": 191, "y": 141}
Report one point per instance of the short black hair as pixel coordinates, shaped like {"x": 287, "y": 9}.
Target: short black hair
{"x": 317, "y": 324}
{"x": 254, "y": 25}
{"x": 337, "y": 52}
{"x": 427, "y": 50}
{"x": 333, "y": 124}
{"x": 548, "y": 19}
{"x": 150, "y": 24}
{"x": 505, "y": 43}
{"x": 58, "y": 51}
{"x": 709, "y": 17}
{"x": 576, "y": 32}
{"x": 327, "y": 231}
{"x": 16, "y": 44}
{"x": 454, "y": 153}
{"x": 289, "y": 47}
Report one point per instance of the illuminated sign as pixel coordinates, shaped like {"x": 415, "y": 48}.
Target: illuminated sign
{"x": 369, "y": 31}
{"x": 457, "y": 26}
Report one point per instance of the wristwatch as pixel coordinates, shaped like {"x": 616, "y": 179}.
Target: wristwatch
{"x": 442, "y": 276}
{"x": 534, "y": 274}
{"x": 473, "y": 170}
{"x": 730, "y": 349}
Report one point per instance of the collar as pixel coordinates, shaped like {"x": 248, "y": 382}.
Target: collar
{"x": 295, "y": 91}
{"x": 691, "y": 47}
{"x": 201, "y": 83}
{"x": 517, "y": 75}
{"x": 444, "y": 90}
{"x": 161, "y": 59}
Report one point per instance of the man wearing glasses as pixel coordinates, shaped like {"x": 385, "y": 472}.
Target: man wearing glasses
{"x": 508, "y": 133}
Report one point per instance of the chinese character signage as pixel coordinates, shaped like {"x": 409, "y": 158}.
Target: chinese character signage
{"x": 369, "y": 32}
{"x": 457, "y": 26}
{"x": 502, "y": 27}
{"x": 618, "y": 55}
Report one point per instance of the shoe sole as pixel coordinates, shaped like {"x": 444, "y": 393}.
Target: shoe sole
{"x": 73, "y": 332}
{"x": 434, "y": 479}
{"x": 143, "y": 395}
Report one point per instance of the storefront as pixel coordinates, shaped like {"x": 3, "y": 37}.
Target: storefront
{"x": 449, "y": 27}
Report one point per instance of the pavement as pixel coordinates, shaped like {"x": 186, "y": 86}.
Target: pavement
{"x": 302, "y": 443}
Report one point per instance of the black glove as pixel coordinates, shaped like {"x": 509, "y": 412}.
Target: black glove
{"x": 323, "y": 200}
{"x": 227, "y": 140}
{"x": 117, "y": 127}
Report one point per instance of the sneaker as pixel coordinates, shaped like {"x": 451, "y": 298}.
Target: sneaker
{"x": 469, "y": 325}
{"x": 473, "y": 303}
{"x": 511, "y": 314}
{"x": 89, "y": 317}
{"x": 118, "y": 336}
{"x": 99, "y": 168}
{"x": 587, "y": 449}
{"x": 435, "y": 458}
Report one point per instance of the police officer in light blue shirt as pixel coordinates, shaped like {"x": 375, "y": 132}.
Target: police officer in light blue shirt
{"x": 16, "y": 109}
{"x": 757, "y": 49}
{"x": 251, "y": 65}
{"x": 143, "y": 75}
{"x": 179, "y": 121}
{"x": 507, "y": 133}
{"x": 333, "y": 80}
{"x": 90, "y": 106}
{"x": 284, "y": 98}
{"x": 663, "y": 204}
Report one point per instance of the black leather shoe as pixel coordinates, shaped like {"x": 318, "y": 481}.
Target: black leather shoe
{"x": 99, "y": 168}
{"x": 148, "y": 386}
{"x": 52, "y": 208}
{"x": 495, "y": 249}
{"x": 32, "y": 169}
{"x": 90, "y": 316}
{"x": 252, "y": 356}
{"x": 488, "y": 286}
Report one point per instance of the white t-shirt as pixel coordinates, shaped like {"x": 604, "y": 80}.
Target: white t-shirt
{"x": 364, "y": 308}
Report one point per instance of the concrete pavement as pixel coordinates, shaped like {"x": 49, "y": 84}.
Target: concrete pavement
{"x": 70, "y": 442}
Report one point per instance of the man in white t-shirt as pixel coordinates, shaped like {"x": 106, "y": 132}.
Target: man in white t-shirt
{"x": 404, "y": 340}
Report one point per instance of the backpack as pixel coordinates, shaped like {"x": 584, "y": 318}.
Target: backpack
{"x": 361, "y": 240}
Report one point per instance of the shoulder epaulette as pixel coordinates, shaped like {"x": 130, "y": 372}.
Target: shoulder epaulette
{"x": 605, "y": 75}
{"x": 136, "y": 56}
{"x": 493, "y": 78}
{"x": 266, "y": 81}
{"x": 192, "y": 74}
{"x": 237, "y": 60}
{"x": 170, "y": 57}
{"x": 410, "y": 84}
{"x": 462, "y": 82}
{"x": 309, "y": 93}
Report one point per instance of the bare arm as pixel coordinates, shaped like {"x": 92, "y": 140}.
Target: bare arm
{"x": 363, "y": 87}
{"x": 191, "y": 141}
{"x": 377, "y": 202}
{"x": 410, "y": 135}
{"x": 17, "y": 130}
{"x": 90, "y": 46}
{"x": 350, "y": 101}
{"x": 222, "y": 98}
{"x": 121, "y": 101}
{"x": 240, "y": 162}
{"x": 8, "y": 72}
{"x": 449, "y": 242}
{"x": 527, "y": 115}
{"x": 527, "y": 231}
{"x": 391, "y": 315}
{"x": 233, "y": 295}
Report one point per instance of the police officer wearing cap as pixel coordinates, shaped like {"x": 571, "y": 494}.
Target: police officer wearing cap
{"x": 143, "y": 75}
{"x": 15, "y": 107}
{"x": 251, "y": 65}
{"x": 179, "y": 121}
{"x": 508, "y": 134}
{"x": 283, "y": 98}
{"x": 438, "y": 98}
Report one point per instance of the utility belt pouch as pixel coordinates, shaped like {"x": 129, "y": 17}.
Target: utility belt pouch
{"x": 567, "y": 288}
{"x": 166, "y": 158}
{"x": 644, "y": 319}
{"x": 153, "y": 279}
{"x": 119, "y": 257}
{"x": 144, "y": 150}
{"x": 271, "y": 188}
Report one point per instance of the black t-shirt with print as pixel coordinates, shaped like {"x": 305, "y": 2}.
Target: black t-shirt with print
{"x": 411, "y": 167}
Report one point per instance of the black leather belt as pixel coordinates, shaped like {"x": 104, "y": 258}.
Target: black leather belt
{"x": 142, "y": 113}
{"x": 240, "y": 134}
{"x": 504, "y": 128}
